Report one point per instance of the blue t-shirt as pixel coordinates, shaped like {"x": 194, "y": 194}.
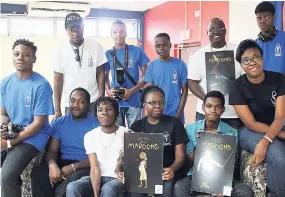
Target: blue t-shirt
{"x": 274, "y": 53}
{"x": 169, "y": 76}
{"x": 193, "y": 129}
{"x": 25, "y": 99}
{"x": 71, "y": 135}
{"x": 137, "y": 58}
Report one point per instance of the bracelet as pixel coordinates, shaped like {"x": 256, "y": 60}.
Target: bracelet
{"x": 51, "y": 164}
{"x": 73, "y": 167}
{"x": 268, "y": 138}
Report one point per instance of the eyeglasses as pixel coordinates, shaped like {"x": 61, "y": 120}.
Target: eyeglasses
{"x": 247, "y": 61}
{"x": 217, "y": 29}
{"x": 154, "y": 103}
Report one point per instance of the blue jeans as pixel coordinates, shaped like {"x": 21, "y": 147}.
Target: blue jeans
{"x": 275, "y": 158}
{"x": 110, "y": 187}
{"x": 131, "y": 114}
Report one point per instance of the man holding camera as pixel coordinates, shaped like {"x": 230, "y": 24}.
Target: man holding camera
{"x": 26, "y": 100}
{"x": 78, "y": 62}
{"x": 125, "y": 63}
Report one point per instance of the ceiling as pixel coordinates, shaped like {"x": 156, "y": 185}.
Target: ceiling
{"x": 117, "y": 5}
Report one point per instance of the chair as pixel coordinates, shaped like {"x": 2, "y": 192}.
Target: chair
{"x": 26, "y": 174}
{"x": 254, "y": 177}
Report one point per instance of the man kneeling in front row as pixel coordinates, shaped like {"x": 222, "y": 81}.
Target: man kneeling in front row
{"x": 213, "y": 107}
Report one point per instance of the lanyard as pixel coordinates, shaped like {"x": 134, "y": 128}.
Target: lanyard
{"x": 125, "y": 59}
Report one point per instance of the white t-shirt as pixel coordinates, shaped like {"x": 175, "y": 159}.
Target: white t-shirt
{"x": 107, "y": 147}
{"x": 92, "y": 55}
{"x": 197, "y": 71}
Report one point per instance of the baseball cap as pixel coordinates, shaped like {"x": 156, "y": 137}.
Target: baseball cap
{"x": 72, "y": 19}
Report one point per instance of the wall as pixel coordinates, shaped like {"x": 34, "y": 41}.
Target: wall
{"x": 46, "y": 46}
{"x": 238, "y": 16}
{"x": 242, "y": 26}
{"x": 169, "y": 18}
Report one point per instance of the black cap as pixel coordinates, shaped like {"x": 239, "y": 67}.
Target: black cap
{"x": 73, "y": 19}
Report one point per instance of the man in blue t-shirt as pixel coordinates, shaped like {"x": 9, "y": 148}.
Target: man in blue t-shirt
{"x": 213, "y": 107}
{"x": 66, "y": 159}
{"x": 170, "y": 74}
{"x": 271, "y": 40}
{"x": 26, "y": 100}
{"x": 133, "y": 59}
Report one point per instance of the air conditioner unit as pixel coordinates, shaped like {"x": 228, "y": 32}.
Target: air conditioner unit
{"x": 57, "y": 9}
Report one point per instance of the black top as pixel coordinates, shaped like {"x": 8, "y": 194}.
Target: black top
{"x": 260, "y": 98}
{"x": 173, "y": 131}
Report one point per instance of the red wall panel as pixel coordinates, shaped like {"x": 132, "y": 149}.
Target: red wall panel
{"x": 169, "y": 17}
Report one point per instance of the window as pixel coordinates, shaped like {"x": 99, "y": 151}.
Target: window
{"x": 105, "y": 27}
{"x": 132, "y": 28}
{"x": 60, "y": 27}
{"x": 90, "y": 27}
{"x": 4, "y": 26}
{"x": 31, "y": 26}
{"x": 28, "y": 26}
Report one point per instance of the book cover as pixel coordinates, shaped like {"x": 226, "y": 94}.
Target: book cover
{"x": 214, "y": 164}
{"x": 220, "y": 70}
{"x": 143, "y": 162}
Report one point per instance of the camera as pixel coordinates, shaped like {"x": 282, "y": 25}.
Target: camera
{"x": 119, "y": 92}
{"x": 120, "y": 75}
{"x": 13, "y": 130}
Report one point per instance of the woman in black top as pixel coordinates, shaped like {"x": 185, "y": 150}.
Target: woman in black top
{"x": 259, "y": 100}
{"x": 174, "y": 137}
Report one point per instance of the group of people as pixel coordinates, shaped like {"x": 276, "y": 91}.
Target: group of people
{"x": 84, "y": 147}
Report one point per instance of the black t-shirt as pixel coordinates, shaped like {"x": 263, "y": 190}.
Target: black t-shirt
{"x": 260, "y": 98}
{"x": 173, "y": 131}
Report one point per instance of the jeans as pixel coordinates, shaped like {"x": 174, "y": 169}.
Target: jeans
{"x": 110, "y": 187}
{"x": 233, "y": 122}
{"x": 41, "y": 184}
{"x": 131, "y": 114}
{"x": 275, "y": 158}
{"x": 182, "y": 188}
{"x": 167, "y": 190}
{"x": 16, "y": 161}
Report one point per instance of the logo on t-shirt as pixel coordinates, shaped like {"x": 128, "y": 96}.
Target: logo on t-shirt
{"x": 174, "y": 77}
{"x": 90, "y": 61}
{"x": 131, "y": 63}
{"x": 273, "y": 99}
{"x": 28, "y": 101}
{"x": 166, "y": 139}
{"x": 278, "y": 51}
